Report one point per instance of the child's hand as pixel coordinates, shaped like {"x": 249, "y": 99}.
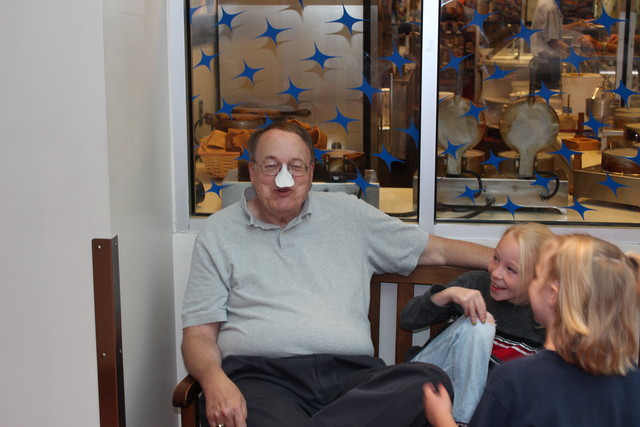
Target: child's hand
{"x": 470, "y": 300}
{"x": 437, "y": 406}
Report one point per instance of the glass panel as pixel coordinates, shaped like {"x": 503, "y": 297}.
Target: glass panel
{"x": 538, "y": 112}
{"x": 349, "y": 71}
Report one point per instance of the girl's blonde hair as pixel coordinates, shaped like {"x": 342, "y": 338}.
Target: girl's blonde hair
{"x": 530, "y": 237}
{"x": 597, "y": 318}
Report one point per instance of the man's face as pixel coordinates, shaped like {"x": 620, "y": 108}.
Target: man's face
{"x": 280, "y": 198}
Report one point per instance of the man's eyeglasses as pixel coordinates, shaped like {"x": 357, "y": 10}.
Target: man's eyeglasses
{"x": 272, "y": 168}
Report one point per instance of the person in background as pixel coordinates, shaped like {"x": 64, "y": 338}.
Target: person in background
{"x": 494, "y": 319}
{"x": 275, "y": 313}
{"x": 586, "y": 293}
{"x": 547, "y": 45}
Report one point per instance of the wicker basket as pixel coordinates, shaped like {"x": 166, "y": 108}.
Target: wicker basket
{"x": 218, "y": 162}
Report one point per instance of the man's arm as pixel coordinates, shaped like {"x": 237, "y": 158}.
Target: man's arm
{"x": 202, "y": 357}
{"x": 443, "y": 251}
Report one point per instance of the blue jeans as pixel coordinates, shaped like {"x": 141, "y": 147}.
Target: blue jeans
{"x": 463, "y": 351}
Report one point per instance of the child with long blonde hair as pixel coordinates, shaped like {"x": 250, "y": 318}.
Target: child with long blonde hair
{"x": 586, "y": 293}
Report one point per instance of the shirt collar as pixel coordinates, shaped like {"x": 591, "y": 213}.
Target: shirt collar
{"x": 249, "y": 193}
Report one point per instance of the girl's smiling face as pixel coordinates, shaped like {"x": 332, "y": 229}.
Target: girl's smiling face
{"x": 504, "y": 268}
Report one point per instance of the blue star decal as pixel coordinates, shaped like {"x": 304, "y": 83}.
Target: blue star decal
{"x": 595, "y": 125}
{"x": 470, "y": 193}
{"x": 636, "y": 158}
{"x": 293, "y": 90}
{"x": 453, "y": 149}
{"x": 511, "y": 207}
{"x": 474, "y": 111}
{"x": 192, "y": 11}
{"x": 412, "y": 131}
{"x": 206, "y": 60}
{"x": 606, "y": 21}
{"x": 494, "y": 160}
{"x": 267, "y": 122}
{"x": 226, "y": 108}
{"x": 248, "y": 72}
{"x": 388, "y": 158}
{"x": 580, "y": 208}
{"x": 566, "y": 152}
{"x": 542, "y": 181}
{"x": 498, "y": 72}
{"x": 193, "y": 98}
{"x": 320, "y": 153}
{"x": 347, "y": 20}
{"x": 575, "y": 59}
{"x": 454, "y": 62}
{"x": 215, "y": 188}
{"x": 397, "y": 59}
{"x": 545, "y": 92}
{"x": 341, "y": 120}
{"x": 366, "y": 88}
{"x": 301, "y": 3}
{"x": 244, "y": 156}
{"x": 272, "y": 33}
{"x": 227, "y": 18}
{"x": 524, "y": 33}
{"x": 362, "y": 183}
{"x": 319, "y": 57}
{"x": 613, "y": 185}
{"x": 623, "y": 92}
{"x": 478, "y": 19}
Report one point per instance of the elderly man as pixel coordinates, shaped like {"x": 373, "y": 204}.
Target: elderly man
{"x": 275, "y": 312}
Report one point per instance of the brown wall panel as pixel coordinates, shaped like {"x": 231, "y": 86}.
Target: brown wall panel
{"x": 106, "y": 289}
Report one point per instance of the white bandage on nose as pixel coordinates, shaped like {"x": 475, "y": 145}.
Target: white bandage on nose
{"x": 284, "y": 178}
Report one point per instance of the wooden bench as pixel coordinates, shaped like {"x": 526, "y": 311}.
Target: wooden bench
{"x": 186, "y": 395}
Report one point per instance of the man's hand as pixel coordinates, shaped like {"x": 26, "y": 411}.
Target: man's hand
{"x": 437, "y": 406}
{"x": 225, "y": 403}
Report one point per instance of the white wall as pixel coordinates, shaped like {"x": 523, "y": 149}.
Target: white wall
{"x": 85, "y": 154}
{"x": 54, "y": 191}
{"x": 137, "y": 95}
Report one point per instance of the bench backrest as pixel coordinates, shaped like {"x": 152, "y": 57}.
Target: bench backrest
{"x": 422, "y": 275}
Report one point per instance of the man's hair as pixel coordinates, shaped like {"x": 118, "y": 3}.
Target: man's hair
{"x": 530, "y": 237}
{"x": 597, "y": 312}
{"x": 286, "y": 126}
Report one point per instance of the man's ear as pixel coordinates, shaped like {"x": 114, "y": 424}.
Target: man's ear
{"x": 250, "y": 166}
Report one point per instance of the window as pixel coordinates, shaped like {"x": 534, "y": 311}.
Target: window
{"x": 488, "y": 145}
{"x": 348, "y": 71}
{"x": 538, "y": 113}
